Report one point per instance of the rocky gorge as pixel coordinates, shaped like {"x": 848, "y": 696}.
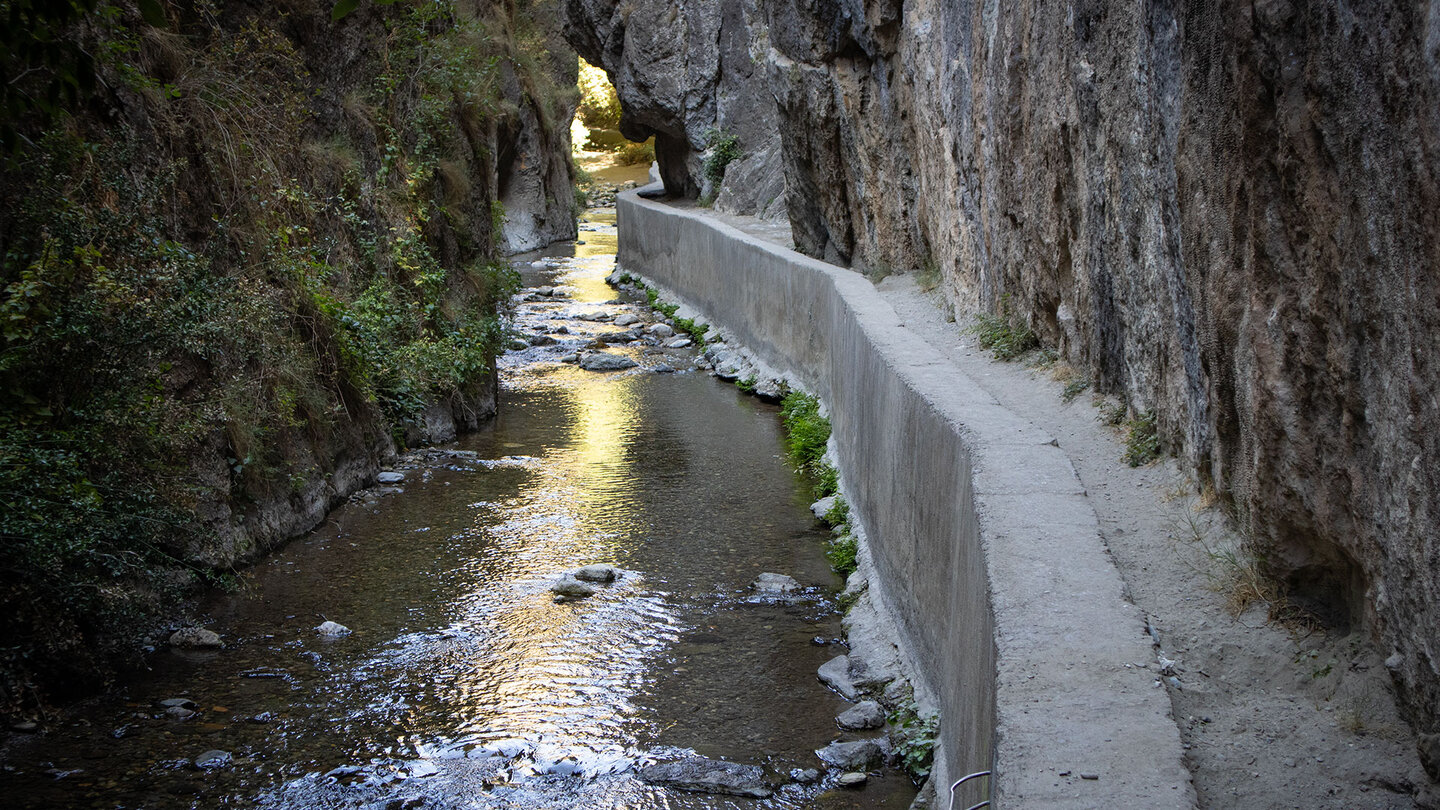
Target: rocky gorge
{"x": 1222, "y": 214}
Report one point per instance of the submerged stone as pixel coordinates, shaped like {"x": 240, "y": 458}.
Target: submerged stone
{"x": 333, "y": 629}
{"x": 702, "y": 775}
{"x": 598, "y": 572}
{"x": 197, "y": 638}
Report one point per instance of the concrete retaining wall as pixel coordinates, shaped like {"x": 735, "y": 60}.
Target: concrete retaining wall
{"x": 986, "y": 553}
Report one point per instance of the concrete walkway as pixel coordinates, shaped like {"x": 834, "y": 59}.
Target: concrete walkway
{"x": 1080, "y": 718}
{"x": 1268, "y": 716}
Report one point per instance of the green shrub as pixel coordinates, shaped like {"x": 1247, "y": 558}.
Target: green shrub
{"x": 723, "y": 149}
{"x": 806, "y": 431}
{"x": 839, "y": 513}
{"x": 635, "y": 154}
{"x": 914, "y": 738}
{"x": 841, "y": 554}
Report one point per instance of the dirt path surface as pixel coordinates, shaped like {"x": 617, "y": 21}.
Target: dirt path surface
{"x": 1274, "y": 714}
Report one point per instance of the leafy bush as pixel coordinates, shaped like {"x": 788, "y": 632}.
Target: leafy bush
{"x": 722, "y": 148}
{"x": 914, "y": 738}
{"x": 841, "y": 554}
{"x": 635, "y": 154}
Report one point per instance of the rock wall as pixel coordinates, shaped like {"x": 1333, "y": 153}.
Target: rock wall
{"x": 1227, "y": 213}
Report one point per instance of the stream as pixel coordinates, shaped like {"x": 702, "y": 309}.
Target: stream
{"x": 464, "y": 683}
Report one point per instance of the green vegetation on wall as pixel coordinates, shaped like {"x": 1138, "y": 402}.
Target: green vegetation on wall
{"x": 263, "y": 239}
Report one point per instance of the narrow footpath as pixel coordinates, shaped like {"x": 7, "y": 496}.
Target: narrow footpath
{"x": 1273, "y": 713}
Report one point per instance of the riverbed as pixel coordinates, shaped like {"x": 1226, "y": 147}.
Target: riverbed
{"x": 463, "y": 682}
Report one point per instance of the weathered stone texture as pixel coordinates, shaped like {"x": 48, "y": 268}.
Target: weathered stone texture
{"x": 1227, "y": 212}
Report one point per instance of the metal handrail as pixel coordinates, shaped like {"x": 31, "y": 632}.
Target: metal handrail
{"x": 962, "y": 780}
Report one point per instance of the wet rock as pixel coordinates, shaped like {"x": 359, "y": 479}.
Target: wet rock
{"x": 389, "y": 478}
{"x": 835, "y": 674}
{"x": 678, "y": 343}
{"x": 543, "y": 340}
{"x": 568, "y": 358}
{"x": 626, "y": 319}
{"x": 618, "y": 337}
{"x": 605, "y": 361}
{"x": 860, "y": 755}
{"x": 545, "y": 291}
{"x": 127, "y": 730}
{"x": 775, "y": 584}
{"x": 262, "y": 718}
{"x": 822, "y": 506}
{"x": 804, "y": 776}
{"x": 332, "y": 629}
{"x": 660, "y": 330}
{"x": 516, "y": 344}
{"x": 597, "y": 572}
{"x": 568, "y": 587}
{"x": 211, "y": 760}
{"x": 702, "y": 775}
{"x": 593, "y": 315}
{"x": 853, "y": 779}
{"x": 179, "y": 713}
{"x": 178, "y": 703}
{"x": 867, "y": 714}
{"x": 196, "y": 638}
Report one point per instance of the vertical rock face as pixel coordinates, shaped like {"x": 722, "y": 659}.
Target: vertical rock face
{"x": 1227, "y": 212}
{"x": 682, "y": 70}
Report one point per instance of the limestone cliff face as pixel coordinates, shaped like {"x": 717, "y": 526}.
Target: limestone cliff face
{"x": 1226, "y": 212}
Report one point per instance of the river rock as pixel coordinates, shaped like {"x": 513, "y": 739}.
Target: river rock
{"x": 592, "y": 315}
{"x": 660, "y": 330}
{"x": 775, "y": 583}
{"x": 332, "y": 629}
{"x": 389, "y": 477}
{"x": 568, "y": 587}
{"x": 545, "y": 291}
{"x": 542, "y": 340}
{"x": 702, "y": 775}
{"x": 835, "y": 674}
{"x": 606, "y": 361}
{"x": 597, "y": 572}
{"x": 196, "y": 638}
{"x": 804, "y": 776}
{"x": 853, "y": 779}
{"x": 823, "y": 506}
{"x": 859, "y": 755}
{"x": 863, "y": 715}
{"x": 678, "y": 343}
{"x": 210, "y": 760}
{"x": 626, "y": 318}
{"x": 182, "y": 703}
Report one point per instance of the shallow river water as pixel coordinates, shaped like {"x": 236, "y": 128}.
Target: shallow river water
{"x": 463, "y": 683}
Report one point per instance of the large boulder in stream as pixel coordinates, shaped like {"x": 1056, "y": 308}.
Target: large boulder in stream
{"x": 702, "y": 775}
{"x": 606, "y": 361}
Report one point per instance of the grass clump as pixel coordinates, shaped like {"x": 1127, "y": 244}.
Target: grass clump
{"x": 827, "y": 481}
{"x": 1005, "y": 336}
{"x": 1142, "y": 440}
{"x": 806, "y": 431}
